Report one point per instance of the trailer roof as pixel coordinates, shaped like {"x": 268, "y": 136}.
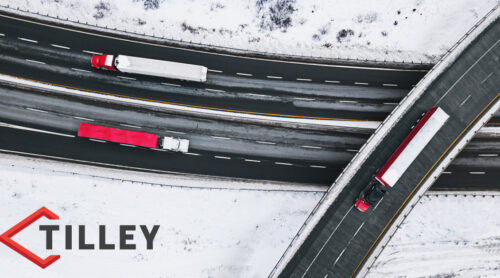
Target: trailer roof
{"x": 117, "y": 135}
{"x": 411, "y": 146}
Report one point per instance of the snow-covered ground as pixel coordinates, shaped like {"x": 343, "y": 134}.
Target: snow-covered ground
{"x": 414, "y": 30}
{"x": 445, "y": 236}
{"x": 208, "y": 232}
{"x": 203, "y": 232}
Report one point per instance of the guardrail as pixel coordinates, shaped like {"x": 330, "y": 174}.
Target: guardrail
{"x": 303, "y": 54}
{"x": 377, "y": 137}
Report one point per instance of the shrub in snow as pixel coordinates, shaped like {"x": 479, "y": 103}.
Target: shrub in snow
{"x": 275, "y": 14}
{"x": 150, "y": 4}
{"x": 345, "y": 35}
{"x": 102, "y": 8}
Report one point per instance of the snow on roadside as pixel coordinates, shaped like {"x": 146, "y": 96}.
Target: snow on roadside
{"x": 445, "y": 236}
{"x": 416, "y": 30}
{"x": 203, "y": 233}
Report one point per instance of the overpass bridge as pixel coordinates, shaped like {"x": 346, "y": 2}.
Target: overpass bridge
{"x": 337, "y": 239}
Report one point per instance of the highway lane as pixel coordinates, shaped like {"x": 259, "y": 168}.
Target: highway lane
{"x": 72, "y": 68}
{"x": 283, "y": 150}
{"x": 51, "y": 64}
{"x": 339, "y": 244}
{"x": 228, "y": 64}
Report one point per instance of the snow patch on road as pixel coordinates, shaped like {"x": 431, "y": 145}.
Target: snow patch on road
{"x": 416, "y": 30}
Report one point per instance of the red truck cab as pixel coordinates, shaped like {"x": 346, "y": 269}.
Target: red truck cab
{"x": 103, "y": 62}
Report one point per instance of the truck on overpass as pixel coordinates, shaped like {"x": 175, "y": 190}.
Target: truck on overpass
{"x": 152, "y": 67}
{"x": 134, "y": 138}
{"x": 397, "y": 164}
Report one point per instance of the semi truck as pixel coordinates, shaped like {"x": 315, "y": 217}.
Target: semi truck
{"x": 134, "y": 138}
{"x": 397, "y": 164}
{"x": 152, "y": 67}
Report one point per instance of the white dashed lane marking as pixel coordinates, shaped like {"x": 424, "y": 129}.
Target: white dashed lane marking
{"x": 214, "y": 90}
{"x": 27, "y": 40}
{"x": 244, "y": 74}
{"x": 212, "y": 70}
{"x": 91, "y": 52}
{"x": 33, "y": 61}
{"x": 222, "y": 157}
{"x": 171, "y": 84}
{"x": 82, "y": 70}
{"x": 274, "y": 77}
{"x": 60, "y": 46}
{"x": 36, "y": 110}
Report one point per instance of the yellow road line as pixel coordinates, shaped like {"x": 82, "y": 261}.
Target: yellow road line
{"x": 189, "y": 105}
{"x": 419, "y": 183}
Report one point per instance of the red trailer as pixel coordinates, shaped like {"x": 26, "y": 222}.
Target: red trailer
{"x": 135, "y": 138}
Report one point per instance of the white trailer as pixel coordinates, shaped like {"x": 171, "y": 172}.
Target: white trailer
{"x": 412, "y": 146}
{"x": 153, "y": 67}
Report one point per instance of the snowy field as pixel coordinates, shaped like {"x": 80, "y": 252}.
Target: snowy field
{"x": 203, "y": 232}
{"x": 217, "y": 232}
{"x": 410, "y": 30}
{"x": 454, "y": 236}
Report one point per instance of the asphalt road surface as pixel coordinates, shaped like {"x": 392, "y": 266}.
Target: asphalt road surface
{"x": 344, "y": 237}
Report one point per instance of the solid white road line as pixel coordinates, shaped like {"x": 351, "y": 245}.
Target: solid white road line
{"x": 212, "y": 70}
{"x": 35, "y": 130}
{"x": 171, "y": 84}
{"x": 214, "y": 90}
{"x": 60, "y": 46}
{"x": 274, "y": 77}
{"x": 33, "y": 61}
{"x": 27, "y": 40}
{"x": 132, "y": 126}
{"x": 221, "y": 157}
{"x": 91, "y": 52}
{"x": 252, "y": 160}
{"x": 82, "y": 118}
{"x": 82, "y": 70}
{"x": 244, "y": 74}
